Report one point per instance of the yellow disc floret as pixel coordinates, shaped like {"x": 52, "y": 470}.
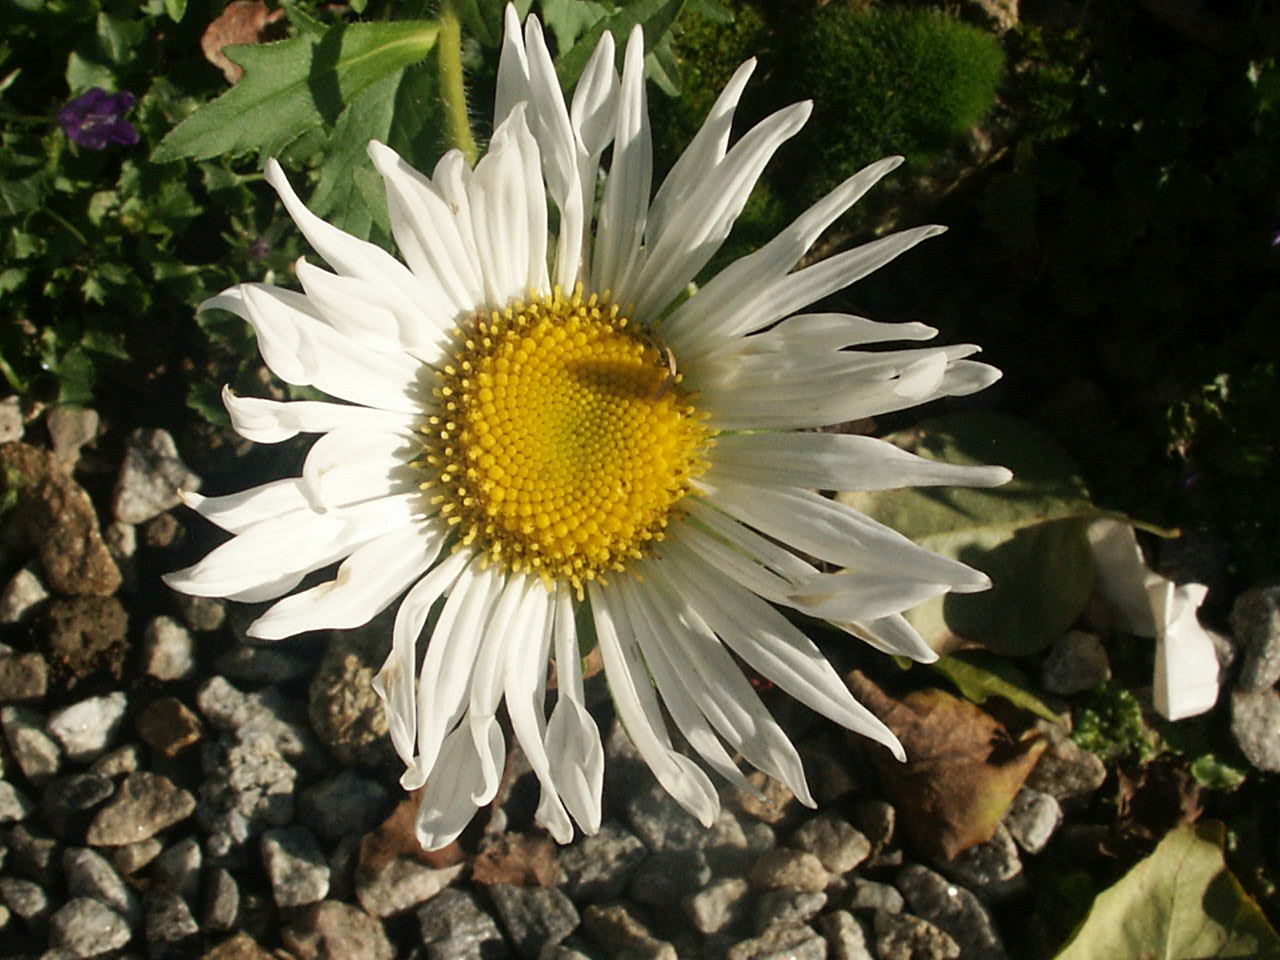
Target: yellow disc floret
{"x": 563, "y": 440}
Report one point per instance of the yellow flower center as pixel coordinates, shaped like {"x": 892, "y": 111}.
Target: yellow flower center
{"x": 563, "y": 440}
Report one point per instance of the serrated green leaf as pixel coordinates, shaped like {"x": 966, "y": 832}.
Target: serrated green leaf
{"x": 1180, "y": 903}
{"x": 656, "y": 16}
{"x": 294, "y": 86}
{"x": 1029, "y": 536}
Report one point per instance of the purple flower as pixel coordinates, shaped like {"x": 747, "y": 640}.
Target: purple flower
{"x": 96, "y": 118}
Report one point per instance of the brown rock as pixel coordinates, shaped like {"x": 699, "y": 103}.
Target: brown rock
{"x": 396, "y": 838}
{"x": 24, "y": 677}
{"x": 517, "y": 858}
{"x": 146, "y": 804}
{"x": 240, "y": 947}
{"x": 336, "y": 931}
{"x": 345, "y": 713}
{"x": 790, "y": 869}
{"x": 776, "y": 804}
{"x": 169, "y": 726}
{"x": 85, "y": 636}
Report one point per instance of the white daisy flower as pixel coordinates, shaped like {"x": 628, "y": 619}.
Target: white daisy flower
{"x": 537, "y": 439}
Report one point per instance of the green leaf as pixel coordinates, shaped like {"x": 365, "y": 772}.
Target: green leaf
{"x": 177, "y": 9}
{"x": 713, "y": 10}
{"x": 656, "y": 16}
{"x": 1029, "y": 536}
{"x": 979, "y": 675}
{"x": 295, "y": 86}
{"x": 1180, "y": 903}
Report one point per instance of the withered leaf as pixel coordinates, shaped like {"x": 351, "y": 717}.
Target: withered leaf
{"x": 963, "y": 766}
{"x": 243, "y": 21}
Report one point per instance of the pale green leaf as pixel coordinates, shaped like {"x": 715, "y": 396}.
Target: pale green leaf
{"x": 656, "y": 16}
{"x": 296, "y": 85}
{"x": 1180, "y": 903}
{"x": 177, "y": 9}
{"x": 979, "y": 676}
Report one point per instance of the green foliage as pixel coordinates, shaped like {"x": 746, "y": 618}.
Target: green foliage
{"x": 1110, "y": 723}
{"x": 887, "y": 81}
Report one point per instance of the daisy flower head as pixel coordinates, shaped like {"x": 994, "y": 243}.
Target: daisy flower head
{"x": 538, "y": 438}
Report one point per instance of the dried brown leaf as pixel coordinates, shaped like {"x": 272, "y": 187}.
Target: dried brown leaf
{"x": 243, "y": 21}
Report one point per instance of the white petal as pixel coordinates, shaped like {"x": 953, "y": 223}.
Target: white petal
{"x": 446, "y": 806}
{"x": 238, "y": 512}
{"x": 821, "y": 333}
{"x": 719, "y": 688}
{"x": 638, "y": 710}
{"x": 895, "y": 636}
{"x": 713, "y": 313}
{"x": 270, "y": 421}
{"x": 838, "y": 461}
{"x": 595, "y": 100}
{"x": 512, "y": 85}
{"x": 396, "y": 682}
{"x": 303, "y": 350}
{"x": 834, "y": 532}
{"x": 366, "y": 583}
{"x": 346, "y": 254}
{"x": 765, "y": 640}
{"x": 696, "y": 230}
{"x": 433, "y": 235}
{"x": 376, "y": 316}
{"x": 859, "y": 596}
{"x": 486, "y": 683}
{"x": 626, "y": 191}
{"x": 352, "y": 464}
{"x": 573, "y": 740}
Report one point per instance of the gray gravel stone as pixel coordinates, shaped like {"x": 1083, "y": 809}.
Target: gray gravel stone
{"x": 342, "y": 805}
{"x": 33, "y": 855}
{"x": 145, "y": 804}
{"x": 20, "y": 597}
{"x": 660, "y": 822}
{"x": 992, "y": 870}
{"x": 401, "y": 885}
{"x": 345, "y": 711}
{"x": 901, "y": 936}
{"x": 1255, "y": 725}
{"x": 85, "y": 729}
{"x": 295, "y": 866}
{"x": 83, "y": 927}
{"x": 68, "y": 802}
{"x": 1066, "y": 771}
{"x": 24, "y": 677}
{"x": 833, "y": 840}
{"x": 168, "y": 650}
{"x": 1032, "y": 819}
{"x": 171, "y": 930}
{"x": 151, "y": 477}
{"x": 336, "y": 931}
{"x": 781, "y": 943}
{"x": 37, "y": 754}
{"x": 846, "y": 938}
{"x": 90, "y": 874}
{"x": 784, "y": 908}
{"x": 599, "y": 867}
{"x": 870, "y": 895}
{"x": 120, "y": 762}
{"x": 1076, "y": 662}
{"x": 616, "y": 928}
{"x": 14, "y": 806}
{"x": 668, "y": 876}
{"x": 876, "y": 820}
{"x": 221, "y": 906}
{"x": 719, "y": 905}
{"x": 26, "y": 900}
{"x": 1255, "y": 627}
{"x": 70, "y": 428}
{"x": 132, "y": 857}
{"x": 201, "y": 614}
{"x": 177, "y": 868}
{"x": 453, "y": 927}
{"x": 248, "y": 787}
{"x": 789, "y": 868}
{"x": 266, "y": 712}
{"x": 952, "y": 909}
{"x": 535, "y": 918}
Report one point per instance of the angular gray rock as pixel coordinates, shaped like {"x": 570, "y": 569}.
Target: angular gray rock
{"x": 20, "y": 597}
{"x": 789, "y": 868}
{"x": 1077, "y": 662}
{"x": 870, "y": 895}
{"x": 901, "y": 936}
{"x": 992, "y": 870}
{"x": 221, "y": 905}
{"x": 1032, "y": 819}
{"x": 248, "y": 788}
{"x": 145, "y": 804}
{"x": 846, "y": 937}
{"x": 342, "y": 805}
{"x": 177, "y": 868}
{"x": 719, "y": 906}
{"x": 86, "y": 729}
{"x": 170, "y": 928}
{"x": 37, "y": 754}
{"x": 535, "y": 918}
{"x": 168, "y": 649}
{"x": 952, "y": 909}
{"x": 89, "y": 874}
{"x": 781, "y": 943}
{"x": 1255, "y": 627}
{"x": 837, "y": 843}
{"x": 14, "y": 805}
{"x": 453, "y": 927}
{"x": 331, "y": 930}
{"x": 668, "y": 876}
{"x": 401, "y": 885}
{"x": 151, "y": 477}
{"x": 1255, "y": 725}
{"x": 295, "y": 865}
{"x": 599, "y": 867}
{"x": 83, "y": 927}
{"x": 787, "y": 908}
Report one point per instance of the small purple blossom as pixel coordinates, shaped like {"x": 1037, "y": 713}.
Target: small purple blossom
{"x": 96, "y": 118}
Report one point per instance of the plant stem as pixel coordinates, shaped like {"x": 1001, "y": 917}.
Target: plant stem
{"x": 452, "y": 85}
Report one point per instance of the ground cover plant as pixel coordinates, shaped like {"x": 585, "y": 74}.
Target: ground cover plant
{"x": 1110, "y": 177}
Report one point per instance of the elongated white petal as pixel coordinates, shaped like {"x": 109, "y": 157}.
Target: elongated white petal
{"x": 862, "y": 596}
{"x": 626, "y": 193}
{"x": 839, "y": 461}
{"x": 238, "y": 512}
{"x": 573, "y": 739}
{"x": 895, "y": 636}
{"x": 595, "y": 101}
{"x": 638, "y": 710}
{"x": 486, "y": 684}
{"x": 447, "y": 805}
{"x": 837, "y": 533}
{"x": 821, "y": 333}
{"x": 302, "y": 349}
{"x": 765, "y": 640}
{"x": 270, "y": 421}
{"x": 433, "y": 235}
{"x": 354, "y": 464}
{"x": 366, "y": 583}
{"x": 512, "y": 85}
{"x": 346, "y": 254}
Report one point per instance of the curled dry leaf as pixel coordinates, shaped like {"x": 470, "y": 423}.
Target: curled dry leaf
{"x": 963, "y": 766}
{"x": 243, "y": 21}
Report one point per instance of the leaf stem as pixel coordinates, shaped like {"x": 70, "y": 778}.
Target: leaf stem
{"x": 452, "y": 84}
